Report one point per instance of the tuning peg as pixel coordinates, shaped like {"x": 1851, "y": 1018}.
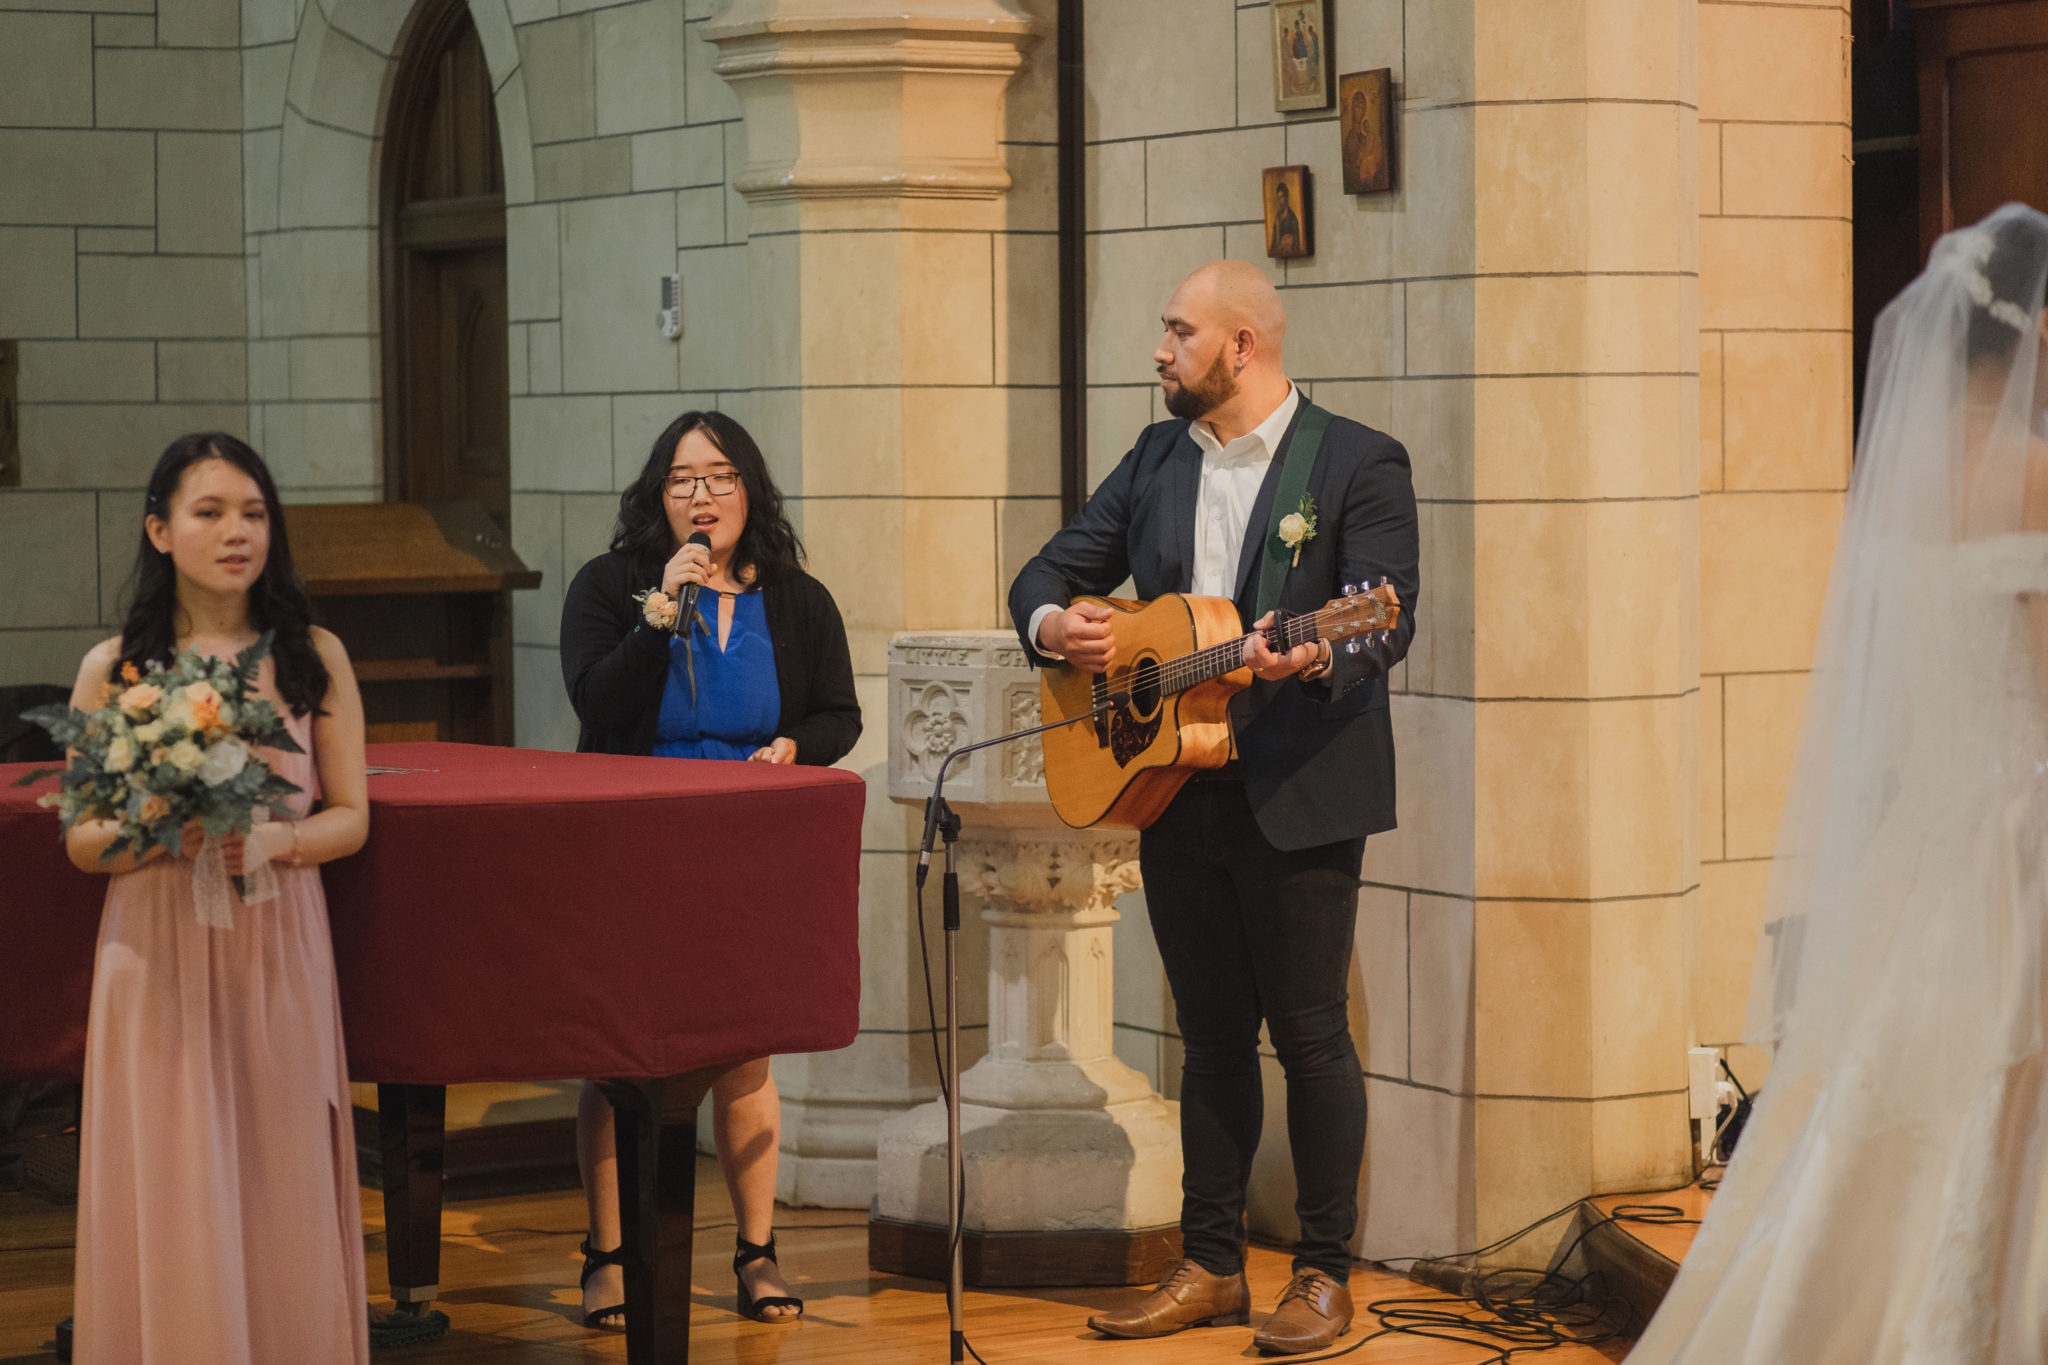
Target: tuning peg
{"x": 1384, "y": 580}
{"x": 1351, "y": 647}
{"x": 1351, "y": 590}
{"x": 1386, "y": 635}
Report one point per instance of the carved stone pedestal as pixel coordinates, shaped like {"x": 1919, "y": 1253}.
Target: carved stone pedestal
{"x": 1073, "y": 1163}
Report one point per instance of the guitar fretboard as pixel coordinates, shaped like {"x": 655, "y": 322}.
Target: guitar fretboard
{"x": 1190, "y": 670}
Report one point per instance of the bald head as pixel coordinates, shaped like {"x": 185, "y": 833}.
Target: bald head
{"x": 1229, "y": 295}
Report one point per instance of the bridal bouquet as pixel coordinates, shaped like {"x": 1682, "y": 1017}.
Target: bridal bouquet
{"x": 170, "y": 746}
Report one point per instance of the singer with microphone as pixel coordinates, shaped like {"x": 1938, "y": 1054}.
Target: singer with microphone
{"x": 753, "y": 665}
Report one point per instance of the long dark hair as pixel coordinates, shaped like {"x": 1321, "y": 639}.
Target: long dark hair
{"x": 277, "y": 599}
{"x": 768, "y": 547}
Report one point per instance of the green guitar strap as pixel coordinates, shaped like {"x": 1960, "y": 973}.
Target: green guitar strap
{"x": 1300, "y": 462}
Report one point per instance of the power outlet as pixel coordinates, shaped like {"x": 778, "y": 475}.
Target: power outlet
{"x": 1702, "y": 1070}
{"x": 670, "y": 316}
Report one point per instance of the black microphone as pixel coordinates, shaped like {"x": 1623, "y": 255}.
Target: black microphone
{"x": 686, "y": 606}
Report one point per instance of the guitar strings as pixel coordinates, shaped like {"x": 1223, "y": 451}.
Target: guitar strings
{"x": 1177, "y": 675}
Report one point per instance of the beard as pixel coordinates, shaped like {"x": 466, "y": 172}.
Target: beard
{"x": 1217, "y": 386}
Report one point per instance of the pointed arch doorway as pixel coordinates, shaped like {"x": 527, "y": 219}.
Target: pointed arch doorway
{"x": 419, "y": 589}
{"x": 447, "y": 410}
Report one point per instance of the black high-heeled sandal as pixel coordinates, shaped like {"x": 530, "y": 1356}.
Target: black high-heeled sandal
{"x": 745, "y": 1254}
{"x": 593, "y": 1261}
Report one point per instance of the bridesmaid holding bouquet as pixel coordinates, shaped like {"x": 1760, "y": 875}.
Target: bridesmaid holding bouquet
{"x": 217, "y": 1215}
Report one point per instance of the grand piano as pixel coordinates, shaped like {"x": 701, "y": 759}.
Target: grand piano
{"x": 524, "y": 915}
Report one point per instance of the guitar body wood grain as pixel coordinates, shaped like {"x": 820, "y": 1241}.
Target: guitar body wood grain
{"x": 1124, "y": 772}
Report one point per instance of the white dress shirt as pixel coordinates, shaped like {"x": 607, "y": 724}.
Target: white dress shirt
{"x": 1231, "y": 475}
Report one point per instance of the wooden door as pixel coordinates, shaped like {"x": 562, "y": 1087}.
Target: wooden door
{"x": 448, "y": 409}
{"x": 1983, "y": 109}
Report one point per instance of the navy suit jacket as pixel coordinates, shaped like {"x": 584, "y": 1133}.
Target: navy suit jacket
{"x": 1317, "y": 758}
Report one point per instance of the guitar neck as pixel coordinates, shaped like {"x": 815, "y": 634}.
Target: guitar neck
{"x": 1203, "y": 665}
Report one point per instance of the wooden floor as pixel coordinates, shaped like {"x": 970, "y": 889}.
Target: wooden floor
{"x": 509, "y": 1267}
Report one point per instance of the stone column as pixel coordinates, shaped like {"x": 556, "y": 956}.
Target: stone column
{"x": 1540, "y": 888}
{"x": 904, "y": 361}
{"x": 1073, "y": 1163}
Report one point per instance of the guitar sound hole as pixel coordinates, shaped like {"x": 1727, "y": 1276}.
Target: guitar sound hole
{"x": 1145, "y": 687}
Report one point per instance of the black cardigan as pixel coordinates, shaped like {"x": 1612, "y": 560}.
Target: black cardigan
{"x": 616, "y": 665}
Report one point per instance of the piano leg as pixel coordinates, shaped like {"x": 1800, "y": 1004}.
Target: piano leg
{"x": 656, "y": 1127}
{"x": 412, "y": 1123}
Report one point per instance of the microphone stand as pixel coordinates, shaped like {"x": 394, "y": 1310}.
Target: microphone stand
{"x": 939, "y": 820}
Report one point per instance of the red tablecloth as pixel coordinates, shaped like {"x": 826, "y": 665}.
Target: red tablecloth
{"x": 522, "y": 914}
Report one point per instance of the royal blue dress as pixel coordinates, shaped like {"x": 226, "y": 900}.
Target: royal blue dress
{"x": 738, "y": 702}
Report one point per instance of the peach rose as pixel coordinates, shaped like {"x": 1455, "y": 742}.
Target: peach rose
{"x": 141, "y": 699}
{"x": 186, "y": 756}
{"x": 154, "y": 808}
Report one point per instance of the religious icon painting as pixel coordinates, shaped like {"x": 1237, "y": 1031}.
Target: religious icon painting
{"x": 1302, "y": 60}
{"x": 1290, "y": 227}
{"x": 1365, "y": 112}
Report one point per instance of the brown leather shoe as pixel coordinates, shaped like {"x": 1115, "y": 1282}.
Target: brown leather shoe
{"x": 1312, "y": 1314}
{"x": 1189, "y": 1297}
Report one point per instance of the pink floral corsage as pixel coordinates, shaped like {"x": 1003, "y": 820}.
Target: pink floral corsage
{"x": 657, "y": 609}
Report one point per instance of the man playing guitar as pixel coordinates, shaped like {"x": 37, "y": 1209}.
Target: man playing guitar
{"x": 1251, "y": 872}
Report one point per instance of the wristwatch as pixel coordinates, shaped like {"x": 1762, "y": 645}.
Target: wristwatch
{"x": 1320, "y": 665}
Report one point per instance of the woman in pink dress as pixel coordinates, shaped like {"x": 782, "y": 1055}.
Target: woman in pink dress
{"x": 218, "y": 1221}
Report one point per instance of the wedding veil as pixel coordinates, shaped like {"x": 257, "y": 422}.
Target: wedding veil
{"x": 1879, "y": 1208}
{"x": 1923, "y": 709}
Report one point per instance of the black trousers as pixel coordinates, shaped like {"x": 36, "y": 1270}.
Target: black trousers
{"x": 1249, "y": 933}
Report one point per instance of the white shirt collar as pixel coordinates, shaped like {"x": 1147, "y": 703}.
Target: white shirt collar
{"x": 1266, "y": 434}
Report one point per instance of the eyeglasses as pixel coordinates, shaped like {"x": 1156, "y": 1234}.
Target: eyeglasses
{"x": 684, "y": 486}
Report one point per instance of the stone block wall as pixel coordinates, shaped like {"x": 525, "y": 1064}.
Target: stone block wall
{"x": 1775, "y": 438}
{"x": 635, "y": 142}
{"x": 1607, "y": 311}
{"x": 121, "y": 276}
{"x": 1177, "y": 136}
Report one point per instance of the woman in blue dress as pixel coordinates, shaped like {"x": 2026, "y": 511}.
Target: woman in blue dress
{"x": 762, "y": 673}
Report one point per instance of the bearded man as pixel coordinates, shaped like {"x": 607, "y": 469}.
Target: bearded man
{"x": 1251, "y": 874}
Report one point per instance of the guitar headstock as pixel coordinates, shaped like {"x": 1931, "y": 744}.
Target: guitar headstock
{"x": 1360, "y": 612}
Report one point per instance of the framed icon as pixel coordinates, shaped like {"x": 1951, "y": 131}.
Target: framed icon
{"x": 1302, "y": 60}
{"x": 1290, "y": 222}
{"x": 1365, "y": 112}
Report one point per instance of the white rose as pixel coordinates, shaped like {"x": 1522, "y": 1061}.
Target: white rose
{"x": 186, "y": 756}
{"x": 1293, "y": 527}
{"x": 120, "y": 756}
{"x": 149, "y": 734}
{"x": 223, "y": 762}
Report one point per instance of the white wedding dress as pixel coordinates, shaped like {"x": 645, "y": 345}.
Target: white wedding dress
{"x": 1887, "y": 1204}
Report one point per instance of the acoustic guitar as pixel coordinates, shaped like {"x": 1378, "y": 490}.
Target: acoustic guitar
{"x": 1163, "y": 706}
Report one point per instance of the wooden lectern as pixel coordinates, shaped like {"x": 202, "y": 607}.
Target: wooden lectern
{"x": 421, "y": 594}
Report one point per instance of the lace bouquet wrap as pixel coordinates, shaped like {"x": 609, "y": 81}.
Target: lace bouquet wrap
{"x": 170, "y": 746}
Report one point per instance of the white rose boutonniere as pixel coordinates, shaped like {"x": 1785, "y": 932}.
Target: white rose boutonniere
{"x": 1298, "y": 528}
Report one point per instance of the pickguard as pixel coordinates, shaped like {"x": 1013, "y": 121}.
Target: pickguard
{"x": 1129, "y": 735}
